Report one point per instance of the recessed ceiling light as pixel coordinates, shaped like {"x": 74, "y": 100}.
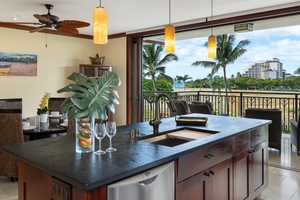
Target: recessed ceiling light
{"x": 16, "y": 17}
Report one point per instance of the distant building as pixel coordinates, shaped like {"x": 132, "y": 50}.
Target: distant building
{"x": 287, "y": 75}
{"x": 270, "y": 69}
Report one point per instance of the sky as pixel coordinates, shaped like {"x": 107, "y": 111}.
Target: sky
{"x": 282, "y": 43}
{"x": 2, "y": 54}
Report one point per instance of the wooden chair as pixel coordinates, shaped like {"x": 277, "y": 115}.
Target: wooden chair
{"x": 55, "y": 103}
{"x": 10, "y": 133}
{"x": 181, "y": 110}
{"x": 200, "y": 108}
{"x": 295, "y": 134}
{"x": 11, "y": 103}
{"x": 275, "y": 129}
{"x": 71, "y": 126}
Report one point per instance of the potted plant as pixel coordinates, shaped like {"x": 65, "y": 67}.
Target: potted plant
{"x": 91, "y": 96}
{"x": 43, "y": 110}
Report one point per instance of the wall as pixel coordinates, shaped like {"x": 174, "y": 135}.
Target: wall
{"x": 115, "y": 54}
{"x": 55, "y": 63}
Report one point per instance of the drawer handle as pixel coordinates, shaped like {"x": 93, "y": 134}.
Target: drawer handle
{"x": 210, "y": 156}
{"x": 251, "y": 151}
{"x": 242, "y": 142}
{"x": 208, "y": 174}
{"x": 258, "y": 135}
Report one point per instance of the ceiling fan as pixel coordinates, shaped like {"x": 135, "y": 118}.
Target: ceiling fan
{"x": 50, "y": 21}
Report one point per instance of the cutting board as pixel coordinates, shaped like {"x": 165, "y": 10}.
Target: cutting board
{"x": 188, "y": 135}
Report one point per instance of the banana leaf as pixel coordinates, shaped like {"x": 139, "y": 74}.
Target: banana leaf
{"x": 91, "y": 95}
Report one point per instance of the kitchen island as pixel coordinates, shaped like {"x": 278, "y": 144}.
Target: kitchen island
{"x": 240, "y": 149}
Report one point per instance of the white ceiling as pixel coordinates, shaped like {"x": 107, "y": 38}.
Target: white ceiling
{"x": 228, "y": 29}
{"x": 134, "y": 15}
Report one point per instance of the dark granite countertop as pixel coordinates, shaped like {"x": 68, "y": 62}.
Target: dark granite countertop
{"x": 57, "y": 156}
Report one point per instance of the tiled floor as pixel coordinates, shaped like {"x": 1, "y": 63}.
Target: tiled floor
{"x": 288, "y": 157}
{"x": 284, "y": 184}
{"x": 8, "y": 189}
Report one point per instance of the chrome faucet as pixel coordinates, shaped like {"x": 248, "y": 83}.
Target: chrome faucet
{"x": 156, "y": 121}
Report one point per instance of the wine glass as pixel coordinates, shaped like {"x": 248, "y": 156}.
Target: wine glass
{"x": 100, "y": 132}
{"x": 111, "y": 131}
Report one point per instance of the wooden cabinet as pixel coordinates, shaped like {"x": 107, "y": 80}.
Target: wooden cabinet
{"x": 204, "y": 174}
{"x": 251, "y": 166}
{"x": 197, "y": 161}
{"x": 211, "y": 184}
{"x": 241, "y": 176}
{"x": 259, "y": 169}
{"x": 94, "y": 70}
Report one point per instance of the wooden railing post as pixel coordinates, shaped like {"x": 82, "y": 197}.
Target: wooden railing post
{"x": 296, "y": 112}
{"x": 241, "y": 104}
{"x": 198, "y": 96}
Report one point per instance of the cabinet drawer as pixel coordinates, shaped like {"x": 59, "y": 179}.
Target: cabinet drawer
{"x": 259, "y": 135}
{"x": 241, "y": 142}
{"x": 197, "y": 161}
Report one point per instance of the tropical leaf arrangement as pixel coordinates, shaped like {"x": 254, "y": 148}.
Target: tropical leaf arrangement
{"x": 91, "y": 95}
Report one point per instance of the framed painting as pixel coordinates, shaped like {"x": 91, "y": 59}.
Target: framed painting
{"x": 13, "y": 64}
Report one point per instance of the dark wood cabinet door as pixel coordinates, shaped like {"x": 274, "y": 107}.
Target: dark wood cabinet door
{"x": 94, "y": 70}
{"x": 221, "y": 181}
{"x": 259, "y": 169}
{"x": 194, "y": 188}
{"x": 214, "y": 183}
{"x": 241, "y": 177}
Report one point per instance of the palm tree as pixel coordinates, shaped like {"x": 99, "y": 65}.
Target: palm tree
{"x": 226, "y": 54}
{"x": 175, "y": 81}
{"x": 165, "y": 78}
{"x": 184, "y": 79}
{"x": 178, "y": 79}
{"x": 217, "y": 83}
{"x": 297, "y": 71}
{"x": 238, "y": 75}
{"x": 153, "y": 63}
{"x": 210, "y": 77}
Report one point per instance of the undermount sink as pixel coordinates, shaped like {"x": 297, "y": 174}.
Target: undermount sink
{"x": 177, "y": 136}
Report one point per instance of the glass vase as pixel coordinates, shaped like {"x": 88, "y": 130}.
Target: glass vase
{"x": 85, "y": 141}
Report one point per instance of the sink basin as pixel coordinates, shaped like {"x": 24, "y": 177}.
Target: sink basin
{"x": 178, "y": 136}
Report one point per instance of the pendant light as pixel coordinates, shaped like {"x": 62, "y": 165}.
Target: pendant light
{"x": 100, "y": 25}
{"x": 169, "y": 35}
{"x": 212, "y": 49}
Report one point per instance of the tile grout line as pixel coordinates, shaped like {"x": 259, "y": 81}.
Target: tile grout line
{"x": 293, "y": 194}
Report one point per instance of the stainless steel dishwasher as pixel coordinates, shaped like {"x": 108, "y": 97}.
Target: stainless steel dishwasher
{"x": 154, "y": 184}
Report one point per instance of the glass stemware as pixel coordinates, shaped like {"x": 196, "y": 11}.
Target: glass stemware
{"x": 111, "y": 131}
{"x": 100, "y": 132}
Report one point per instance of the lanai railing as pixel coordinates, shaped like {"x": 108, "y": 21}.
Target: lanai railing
{"x": 288, "y": 103}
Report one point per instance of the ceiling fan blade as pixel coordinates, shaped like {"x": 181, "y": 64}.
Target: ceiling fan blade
{"x": 68, "y": 30}
{"x": 73, "y": 24}
{"x": 43, "y": 19}
{"x": 22, "y": 23}
{"x": 38, "y": 29}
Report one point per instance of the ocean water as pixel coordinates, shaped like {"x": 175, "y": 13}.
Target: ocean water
{"x": 178, "y": 85}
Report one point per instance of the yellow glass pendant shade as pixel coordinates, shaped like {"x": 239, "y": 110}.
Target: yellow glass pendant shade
{"x": 212, "y": 49}
{"x": 100, "y": 25}
{"x": 169, "y": 39}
